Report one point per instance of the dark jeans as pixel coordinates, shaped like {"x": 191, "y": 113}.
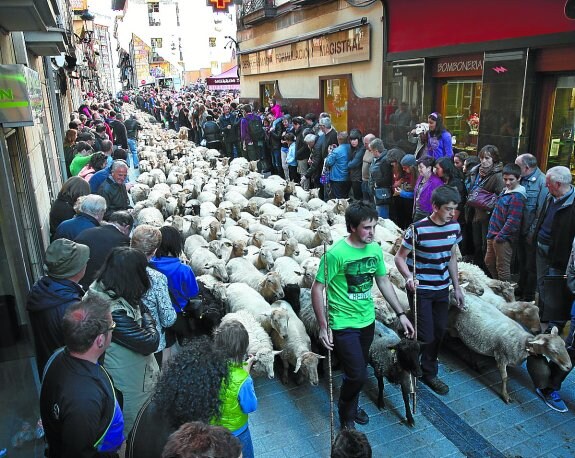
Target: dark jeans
{"x": 546, "y": 375}
{"x": 356, "y": 189}
{"x": 339, "y": 189}
{"x": 432, "y": 306}
{"x": 352, "y": 348}
{"x": 479, "y": 229}
{"x": 527, "y": 268}
{"x": 229, "y": 148}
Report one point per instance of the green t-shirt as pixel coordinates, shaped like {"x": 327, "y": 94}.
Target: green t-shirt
{"x": 350, "y": 279}
{"x": 78, "y": 163}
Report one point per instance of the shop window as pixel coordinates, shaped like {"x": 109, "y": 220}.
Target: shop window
{"x": 560, "y": 149}
{"x": 460, "y": 107}
{"x": 268, "y": 90}
{"x": 335, "y": 99}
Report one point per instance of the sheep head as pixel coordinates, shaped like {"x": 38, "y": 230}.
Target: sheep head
{"x": 324, "y": 234}
{"x": 271, "y": 287}
{"x": 279, "y": 319}
{"x": 503, "y": 288}
{"x": 266, "y": 258}
{"x": 291, "y": 247}
{"x": 408, "y": 356}
{"x": 278, "y": 200}
{"x": 264, "y": 363}
{"x": 258, "y": 238}
{"x": 219, "y": 271}
{"x": 308, "y": 362}
{"x": 553, "y": 347}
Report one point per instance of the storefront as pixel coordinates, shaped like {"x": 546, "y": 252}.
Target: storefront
{"x": 321, "y": 58}
{"x": 494, "y": 82}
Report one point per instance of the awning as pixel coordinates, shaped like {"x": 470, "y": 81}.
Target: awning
{"x": 227, "y": 81}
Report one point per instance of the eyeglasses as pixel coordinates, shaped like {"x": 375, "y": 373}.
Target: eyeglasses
{"x": 112, "y": 327}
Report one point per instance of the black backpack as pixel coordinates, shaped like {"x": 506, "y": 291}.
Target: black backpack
{"x": 256, "y": 129}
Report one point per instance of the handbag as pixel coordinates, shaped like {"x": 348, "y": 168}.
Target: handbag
{"x": 482, "y": 199}
{"x": 558, "y": 299}
{"x": 382, "y": 194}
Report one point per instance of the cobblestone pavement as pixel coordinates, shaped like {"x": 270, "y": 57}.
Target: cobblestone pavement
{"x": 472, "y": 420}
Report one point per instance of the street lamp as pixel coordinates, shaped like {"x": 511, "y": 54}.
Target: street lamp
{"x": 88, "y": 27}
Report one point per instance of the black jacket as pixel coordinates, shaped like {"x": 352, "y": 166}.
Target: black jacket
{"x": 212, "y": 132}
{"x": 47, "y": 302}
{"x": 562, "y": 232}
{"x": 101, "y": 240}
{"x": 150, "y": 432}
{"x": 84, "y": 397}
{"x": 61, "y": 210}
{"x": 143, "y": 339}
{"x": 116, "y": 196}
{"x": 230, "y": 135}
{"x": 120, "y": 133}
{"x": 132, "y": 127}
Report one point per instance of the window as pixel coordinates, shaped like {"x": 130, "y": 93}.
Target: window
{"x": 461, "y": 103}
{"x": 561, "y": 147}
{"x": 154, "y": 14}
{"x": 335, "y": 98}
{"x": 156, "y": 43}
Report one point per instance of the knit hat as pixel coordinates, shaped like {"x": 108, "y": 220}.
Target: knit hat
{"x": 65, "y": 258}
{"x": 408, "y": 160}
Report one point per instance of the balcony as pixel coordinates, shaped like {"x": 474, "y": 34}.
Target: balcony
{"x": 155, "y": 58}
{"x": 255, "y": 11}
{"x": 28, "y": 15}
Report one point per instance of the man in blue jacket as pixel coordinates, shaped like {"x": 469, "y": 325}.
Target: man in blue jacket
{"x": 337, "y": 160}
{"x": 54, "y": 293}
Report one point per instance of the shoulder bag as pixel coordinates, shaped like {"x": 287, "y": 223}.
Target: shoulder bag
{"x": 482, "y": 199}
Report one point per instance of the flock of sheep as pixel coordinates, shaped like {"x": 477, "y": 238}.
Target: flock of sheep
{"x": 255, "y": 244}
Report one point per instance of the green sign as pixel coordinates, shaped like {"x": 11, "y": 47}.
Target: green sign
{"x": 21, "y": 102}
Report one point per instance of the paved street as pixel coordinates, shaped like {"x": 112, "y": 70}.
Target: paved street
{"x": 471, "y": 420}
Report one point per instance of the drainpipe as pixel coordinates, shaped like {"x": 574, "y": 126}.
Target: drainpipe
{"x": 384, "y": 26}
{"x": 56, "y": 116}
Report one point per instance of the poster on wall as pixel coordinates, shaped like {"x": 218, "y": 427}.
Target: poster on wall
{"x": 20, "y": 96}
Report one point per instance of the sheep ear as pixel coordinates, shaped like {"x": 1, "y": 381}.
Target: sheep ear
{"x": 539, "y": 341}
{"x": 297, "y": 365}
{"x": 276, "y": 352}
{"x": 227, "y": 243}
{"x": 298, "y": 272}
{"x": 275, "y": 249}
{"x": 319, "y": 356}
{"x": 554, "y": 331}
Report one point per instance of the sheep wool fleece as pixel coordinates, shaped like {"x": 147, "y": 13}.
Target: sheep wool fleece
{"x": 350, "y": 273}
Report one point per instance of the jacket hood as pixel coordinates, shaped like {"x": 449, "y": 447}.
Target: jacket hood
{"x": 519, "y": 190}
{"x": 167, "y": 265}
{"x": 49, "y": 292}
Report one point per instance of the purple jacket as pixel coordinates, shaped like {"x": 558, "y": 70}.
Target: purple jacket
{"x": 439, "y": 147}
{"x": 245, "y": 129}
{"x": 424, "y": 196}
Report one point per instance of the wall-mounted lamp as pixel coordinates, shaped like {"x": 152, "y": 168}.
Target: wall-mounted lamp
{"x": 88, "y": 27}
{"x": 363, "y": 20}
{"x": 231, "y": 42}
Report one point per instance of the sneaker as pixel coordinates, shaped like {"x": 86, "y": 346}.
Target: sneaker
{"x": 553, "y": 400}
{"x": 361, "y": 417}
{"x": 436, "y": 385}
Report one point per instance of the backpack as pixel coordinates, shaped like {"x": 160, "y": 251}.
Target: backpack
{"x": 256, "y": 129}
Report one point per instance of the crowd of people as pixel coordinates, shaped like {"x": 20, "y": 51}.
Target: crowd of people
{"x": 114, "y": 296}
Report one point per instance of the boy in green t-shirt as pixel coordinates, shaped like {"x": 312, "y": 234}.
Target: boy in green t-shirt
{"x": 352, "y": 264}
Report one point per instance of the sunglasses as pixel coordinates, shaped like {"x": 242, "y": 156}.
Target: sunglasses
{"x": 112, "y": 327}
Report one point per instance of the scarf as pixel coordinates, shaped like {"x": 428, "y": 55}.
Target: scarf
{"x": 484, "y": 171}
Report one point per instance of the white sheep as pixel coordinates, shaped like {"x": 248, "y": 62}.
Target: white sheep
{"x": 260, "y": 344}
{"x": 296, "y": 349}
{"x": 151, "y": 216}
{"x": 309, "y": 238}
{"x": 268, "y": 285}
{"x": 192, "y": 243}
{"x": 205, "y": 262}
{"x": 289, "y": 270}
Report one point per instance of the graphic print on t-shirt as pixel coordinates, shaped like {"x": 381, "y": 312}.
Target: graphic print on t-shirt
{"x": 359, "y": 276}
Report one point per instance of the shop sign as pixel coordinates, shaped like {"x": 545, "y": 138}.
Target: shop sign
{"x": 351, "y": 45}
{"x": 458, "y": 66}
{"x": 79, "y": 5}
{"x": 21, "y": 102}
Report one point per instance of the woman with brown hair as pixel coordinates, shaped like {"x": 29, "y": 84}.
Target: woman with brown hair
{"x": 69, "y": 142}
{"x": 63, "y": 207}
{"x": 487, "y": 175}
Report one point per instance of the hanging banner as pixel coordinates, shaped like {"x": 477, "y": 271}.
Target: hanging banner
{"x": 21, "y": 102}
{"x": 351, "y": 45}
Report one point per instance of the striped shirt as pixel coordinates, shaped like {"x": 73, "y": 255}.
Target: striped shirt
{"x": 432, "y": 251}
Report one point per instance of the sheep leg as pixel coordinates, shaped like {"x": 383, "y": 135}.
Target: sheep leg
{"x": 380, "y": 385}
{"x": 503, "y": 371}
{"x": 405, "y": 392}
{"x": 285, "y": 378}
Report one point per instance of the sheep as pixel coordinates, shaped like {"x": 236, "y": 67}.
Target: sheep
{"x": 397, "y": 360}
{"x": 151, "y": 216}
{"x": 243, "y": 297}
{"x": 238, "y": 249}
{"x": 212, "y": 231}
{"x": 262, "y": 258}
{"x": 192, "y": 243}
{"x": 234, "y": 233}
{"x": 309, "y": 238}
{"x": 296, "y": 348}
{"x": 260, "y": 344}
{"x": 524, "y": 313}
{"x": 270, "y": 209}
{"x": 309, "y": 269}
{"x": 271, "y": 234}
{"x": 289, "y": 270}
{"x": 268, "y": 285}
{"x": 485, "y": 330}
{"x": 204, "y": 262}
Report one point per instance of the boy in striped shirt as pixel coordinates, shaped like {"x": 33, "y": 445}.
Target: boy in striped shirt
{"x": 436, "y": 238}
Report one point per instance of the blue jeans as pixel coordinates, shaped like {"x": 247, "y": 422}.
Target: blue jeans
{"x": 247, "y": 446}
{"x": 352, "y": 349}
{"x": 383, "y": 211}
{"x": 277, "y": 159}
{"x": 432, "y": 306}
{"x": 133, "y": 145}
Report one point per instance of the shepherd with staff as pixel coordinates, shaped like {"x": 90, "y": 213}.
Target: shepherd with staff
{"x": 345, "y": 275}
{"x": 434, "y": 239}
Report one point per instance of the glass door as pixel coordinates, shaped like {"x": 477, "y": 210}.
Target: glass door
{"x": 335, "y": 98}
{"x": 560, "y": 148}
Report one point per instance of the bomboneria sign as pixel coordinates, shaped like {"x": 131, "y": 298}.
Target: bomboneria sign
{"x": 20, "y": 96}
{"x": 345, "y": 46}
